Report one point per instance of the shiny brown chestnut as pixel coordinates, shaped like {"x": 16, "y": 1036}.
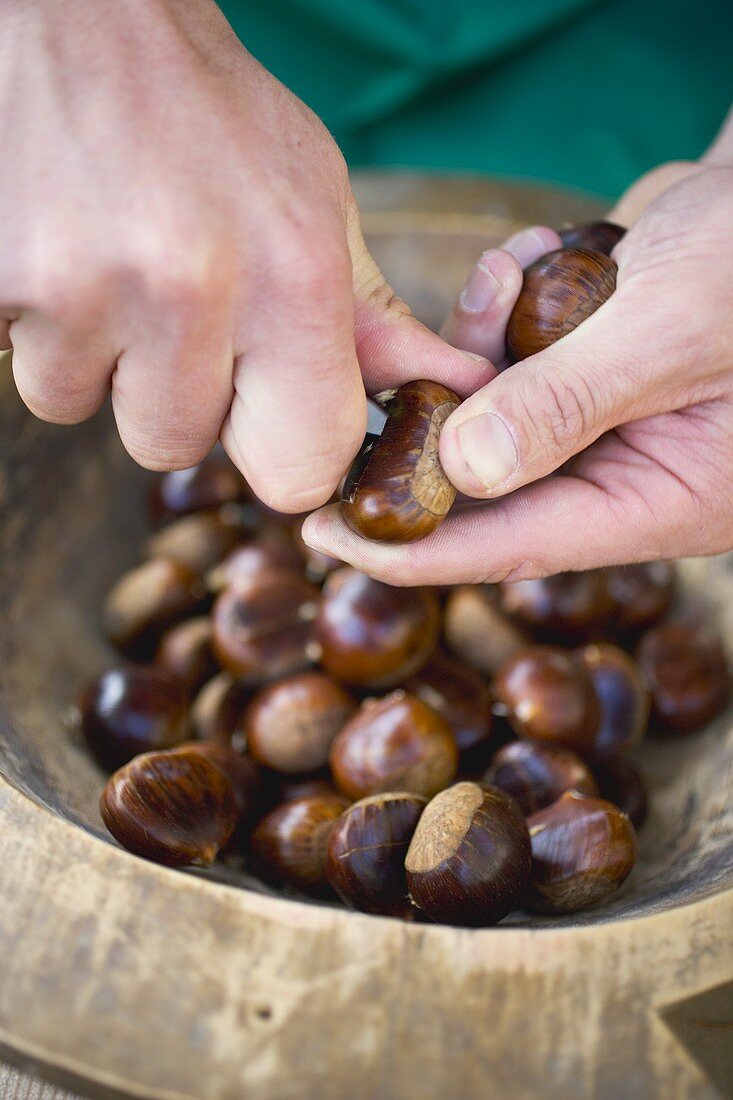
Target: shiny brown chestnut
{"x": 289, "y": 726}
{"x": 372, "y": 635}
{"x": 146, "y": 600}
{"x": 582, "y": 850}
{"x": 686, "y": 669}
{"x": 289, "y": 845}
{"x": 477, "y": 632}
{"x": 132, "y": 709}
{"x": 365, "y": 863}
{"x": 199, "y": 541}
{"x": 561, "y": 290}
{"x": 265, "y": 629}
{"x": 269, "y": 551}
{"x": 535, "y": 774}
{"x": 547, "y": 695}
{"x": 292, "y": 787}
{"x": 394, "y": 744}
{"x": 597, "y": 236}
{"x": 176, "y": 808}
{"x": 469, "y": 860}
{"x": 217, "y": 710}
{"x": 567, "y": 608}
{"x": 252, "y": 794}
{"x": 621, "y": 782}
{"x": 622, "y": 695}
{"x": 642, "y": 594}
{"x": 186, "y": 652}
{"x": 396, "y": 490}
{"x": 211, "y": 483}
{"x": 463, "y": 698}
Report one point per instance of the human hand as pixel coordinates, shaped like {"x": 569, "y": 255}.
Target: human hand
{"x": 634, "y": 408}
{"x": 179, "y": 228}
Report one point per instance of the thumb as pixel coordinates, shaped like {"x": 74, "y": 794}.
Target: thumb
{"x": 539, "y": 413}
{"x": 392, "y": 346}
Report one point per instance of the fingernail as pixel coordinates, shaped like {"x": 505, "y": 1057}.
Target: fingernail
{"x": 488, "y": 449}
{"x": 526, "y": 246}
{"x": 481, "y": 288}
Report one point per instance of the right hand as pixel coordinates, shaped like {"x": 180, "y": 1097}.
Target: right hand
{"x": 179, "y": 228}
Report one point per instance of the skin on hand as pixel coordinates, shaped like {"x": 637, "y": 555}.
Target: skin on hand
{"x": 179, "y": 230}
{"x": 632, "y": 412}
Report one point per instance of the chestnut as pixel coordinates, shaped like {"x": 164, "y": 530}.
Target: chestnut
{"x": 176, "y": 808}
{"x": 477, "y": 631}
{"x": 185, "y": 651}
{"x": 270, "y": 551}
{"x": 686, "y": 669}
{"x": 469, "y": 860}
{"x": 621, "y": 782}
{"x": 129, "y": 710}
{"x": 264, "y": 629}
{"x": 199, "y": 541}
{"x": 289, "y": 726}
{"x": 569, "y": 607}
{"x": 396, "y": 490}
{"x": 291, "y": 787}
{"x": 536, "y": 774}
{"x": 394, "y": 744}
{"x": 547, "y": 695}
{"x": 560, "y": 290}
{"x": 622, "y": 696}
{"x": 372, "y": 635}
{"x": 252, "y": 794}
{"x": 597, "y": 236}
{"x": 463, "y": 699}
{"x": 582, "y": 850}
{"x": 289, "y": 845}
{"x": 365, "y": 863}
{"x": 211, "y": 483}
{"x": 146, "y": 600}
{"x": 642, "y": 594}
{"x": 217, "y": 710}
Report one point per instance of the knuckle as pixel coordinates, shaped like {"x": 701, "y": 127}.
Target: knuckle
{"x": 57, "y": 398}
{"x": 158, "y": 450}
{"x": 312, "y": 270}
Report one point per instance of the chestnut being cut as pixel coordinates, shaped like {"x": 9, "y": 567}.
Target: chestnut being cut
{"x": 469, "y": 860}
{"x": 536, "y": 774}
{"x": 290, "y": 843}
{"x": 176, "y": 808}
{"x": 582, "y": 850}
{"x": 367, "y": 849}
{"x": 396, "y": 490}
{"x": 597, "y": 236}
{"x": 560, "y": 290}
{"x": 686, "y": 669}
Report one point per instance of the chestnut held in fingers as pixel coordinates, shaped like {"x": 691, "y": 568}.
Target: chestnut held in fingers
{"x": 366, "y": 853}
{"x": 686, "y": 669}
{"x": 199, "y": 541}
{"x": 536, "y": 774}
{"x": 289, "y": 726}
{"x": 394, "y": 744}
{"x": 461, "y": 696}
{"x": 289, "y": 845}
{"x": 621, "y": 782}
{"x": 560, "y": 290}
{"x": 217, "y": 710}
{"x": 133, "y": 709}
{"x": 372, "y": 635}
{"x": 143, "y": 602}
{"x": 547, "y": 695}
{"x": 176, "y": 808}
{"x": 264, "y": 629}
{"x": 569, "y": 607}
{"x": 582, "y": 850}
{"x": 469, "y": 860}
{"x": 597, "y": 236}
{"x": 396, "y": 490}
{"x": 185, "y": 651}
{"x": 213, "y": 482}
{"x": 477, "y": 631}
{"x": 642, "y": 594}
{"x": 622, "y": 695}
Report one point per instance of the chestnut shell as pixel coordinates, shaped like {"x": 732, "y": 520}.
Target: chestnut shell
{"x": 289, "y": 845}
{"x": 686, "y": 669}
{"x": 597, "y": 236}
{"x": 396, "y": 490}
{"x": 536, "y": 774}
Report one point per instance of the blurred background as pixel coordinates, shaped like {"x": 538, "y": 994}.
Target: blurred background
{"x": 583, "y": 93}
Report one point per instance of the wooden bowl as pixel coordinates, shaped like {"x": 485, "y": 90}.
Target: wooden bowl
{"x": 122, "y": 977}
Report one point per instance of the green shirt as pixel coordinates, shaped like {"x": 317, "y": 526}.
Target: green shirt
{"x": 587, "y": 93}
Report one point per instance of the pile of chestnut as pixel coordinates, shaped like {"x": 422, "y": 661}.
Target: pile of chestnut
{"x": 449, "y": 755}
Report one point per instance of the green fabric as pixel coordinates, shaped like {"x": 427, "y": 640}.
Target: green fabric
{"x": 588, "y": 93}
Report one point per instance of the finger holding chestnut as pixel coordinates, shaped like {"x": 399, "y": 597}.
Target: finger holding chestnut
{"x": 396, "y": 490}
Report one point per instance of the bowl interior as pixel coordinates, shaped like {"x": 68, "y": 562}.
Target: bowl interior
{"x": 73, "y": 518}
